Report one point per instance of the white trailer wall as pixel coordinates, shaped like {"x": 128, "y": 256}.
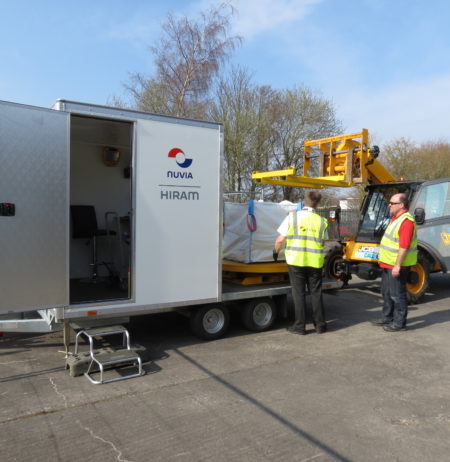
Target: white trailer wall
{"x": 178, "y": 213}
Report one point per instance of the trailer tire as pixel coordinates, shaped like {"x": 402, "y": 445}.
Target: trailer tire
{"x": 259, "y": 314}
{"x": 418, "y": 279}
{"x": 210, "y": 322}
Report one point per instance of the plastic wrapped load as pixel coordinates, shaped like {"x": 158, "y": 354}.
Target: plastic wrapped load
{"x": 250, "y": 230}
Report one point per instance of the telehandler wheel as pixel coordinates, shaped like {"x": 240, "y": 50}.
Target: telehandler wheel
{"x": 418, "y": 279}
{"x": 332, "y": 265}
{"x": 259, "y": 314}
{"x": 210, "y": 321}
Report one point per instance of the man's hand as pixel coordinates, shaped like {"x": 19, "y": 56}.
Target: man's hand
{"x": 275, "y": 255}
{"x": 396, "y": 271}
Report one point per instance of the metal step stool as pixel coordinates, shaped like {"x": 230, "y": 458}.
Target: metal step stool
{"x": 118, "y": 357}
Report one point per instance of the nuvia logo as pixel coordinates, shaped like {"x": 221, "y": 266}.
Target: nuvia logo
{"x": 183, "y": 162}
{"x": 180, "y": 157}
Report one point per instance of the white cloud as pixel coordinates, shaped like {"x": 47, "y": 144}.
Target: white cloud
{"x": 137, "y": 29}
{"x": 417, "y": 110}
{"x": 257, "y": 16}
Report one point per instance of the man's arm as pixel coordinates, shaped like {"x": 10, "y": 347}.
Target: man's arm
{"x": 282, "y": 236}
{"x": 279, "y": 243}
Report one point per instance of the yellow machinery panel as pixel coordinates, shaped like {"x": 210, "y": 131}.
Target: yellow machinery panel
{"x": 361, "y": 251}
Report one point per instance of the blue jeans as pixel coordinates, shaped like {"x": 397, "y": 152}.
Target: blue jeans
{"x": 395, "y": 305}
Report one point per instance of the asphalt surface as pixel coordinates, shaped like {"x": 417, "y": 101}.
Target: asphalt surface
{"x": 356, "y": 393}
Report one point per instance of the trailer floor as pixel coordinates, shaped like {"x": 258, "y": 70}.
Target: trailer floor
{"x": 85, "y": 292}
{"x": 356, "y": 393}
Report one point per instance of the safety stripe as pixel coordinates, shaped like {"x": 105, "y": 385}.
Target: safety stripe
{"x": 305, "y": 238}
{"x": 304, "y": 249}
{"x": 393, "y": 249}
{"x": 391, "y": 234}
{"x": 396, "y": 225}
{"x": 391, "y": 238}
{"x": 397, "y": 239}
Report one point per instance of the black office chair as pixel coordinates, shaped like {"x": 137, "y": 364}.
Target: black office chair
{"x": 84, "y": 226}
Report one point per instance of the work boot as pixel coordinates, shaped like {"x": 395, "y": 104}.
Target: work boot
{"x": 392, "y": 328}
{"x": 296, "y": 330}
{"x": 380, "y": 322}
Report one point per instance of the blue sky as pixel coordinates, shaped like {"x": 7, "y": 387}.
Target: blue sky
{"x": 385, "y": 64}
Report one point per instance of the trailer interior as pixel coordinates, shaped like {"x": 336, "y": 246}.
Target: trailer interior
{"x": 101, "y": 201}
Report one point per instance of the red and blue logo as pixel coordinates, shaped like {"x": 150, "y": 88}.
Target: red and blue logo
{"x": 180, "y": 157}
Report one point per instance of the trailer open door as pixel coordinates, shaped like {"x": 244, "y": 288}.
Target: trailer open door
{"x": 34, "y": 214}
{"x": 178, "y": 203}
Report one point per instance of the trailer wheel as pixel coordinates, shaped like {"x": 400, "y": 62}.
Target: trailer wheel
{"x": 334, "y": 266}
{"x": 259, "y": 314}
{"x": 210, "y": 321}
{"x": 418, "y": 279}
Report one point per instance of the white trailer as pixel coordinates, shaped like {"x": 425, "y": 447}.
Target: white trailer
{"x": 154, "y": 184}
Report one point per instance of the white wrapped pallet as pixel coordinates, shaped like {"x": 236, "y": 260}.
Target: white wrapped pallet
{"x": 250, "y": 230}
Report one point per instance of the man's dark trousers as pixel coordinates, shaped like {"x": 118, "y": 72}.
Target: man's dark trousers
{"x": 395, "y": 303}
{"x": 302, "y": 277}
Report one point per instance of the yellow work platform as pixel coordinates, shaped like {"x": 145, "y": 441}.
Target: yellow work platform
{"x": 255, "y": 273}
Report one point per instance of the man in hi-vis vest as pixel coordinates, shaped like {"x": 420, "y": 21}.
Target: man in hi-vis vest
{"x": 304, "y": 234}
{"x": 398, "y": 252}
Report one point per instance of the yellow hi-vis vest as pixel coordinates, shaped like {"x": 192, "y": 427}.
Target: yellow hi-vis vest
{"x": 389, "y": 244}
{"x": 305, "y": 239}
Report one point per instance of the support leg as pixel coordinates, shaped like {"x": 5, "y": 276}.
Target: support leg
{"x": 66, "y": 336}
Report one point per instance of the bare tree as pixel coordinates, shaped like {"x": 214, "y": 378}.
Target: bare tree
{"x": 299, "y": 114}
{"x": 242, "y": 108}
{"x": 426, "y": 161}
{"x": 187, "y": 58}
{"x": 265, "y": 129}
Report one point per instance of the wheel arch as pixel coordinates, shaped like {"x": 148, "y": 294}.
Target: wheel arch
{"x": 432, "y": 253}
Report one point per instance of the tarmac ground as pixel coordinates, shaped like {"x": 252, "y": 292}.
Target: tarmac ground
{"x": 356, "y": 393}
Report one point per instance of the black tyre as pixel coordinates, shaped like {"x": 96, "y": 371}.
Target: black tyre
{"x": 334, "y": 265}
{"x": 210, "y": 321}
{"x": 418, "y": 279}
{"x": 259, "y": 314}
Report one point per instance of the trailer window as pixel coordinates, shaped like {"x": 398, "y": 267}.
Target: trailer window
{"x": 435, "y": 199}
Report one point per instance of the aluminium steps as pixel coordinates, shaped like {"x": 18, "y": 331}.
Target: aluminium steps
{"x": 120, "y": 357}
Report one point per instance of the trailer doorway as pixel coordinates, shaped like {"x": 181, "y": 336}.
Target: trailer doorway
{"x": 100, "y": 209}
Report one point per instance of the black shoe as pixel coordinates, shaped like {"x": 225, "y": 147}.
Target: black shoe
{"x": 379, "y": 322}
{"x": 321, "y": 330}
{"x": 296, "y": 330}
{"x": 392, "y": 328}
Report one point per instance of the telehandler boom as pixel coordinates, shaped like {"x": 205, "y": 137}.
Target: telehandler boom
{"x": 341, "y": 161}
